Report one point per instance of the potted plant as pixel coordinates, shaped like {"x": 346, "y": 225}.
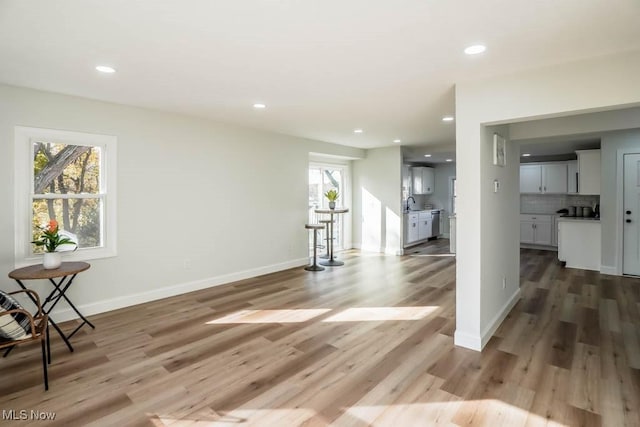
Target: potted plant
{"x": 332, "y": 195}
{"x": 52, "y": 240}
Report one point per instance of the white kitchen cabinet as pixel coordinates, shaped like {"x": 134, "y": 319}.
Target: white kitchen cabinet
{"x": 526, "y": 232}
{"x": 536, "y": 229}
{"x": 554, "y": 178}
{"x": 424, "y": 225}
{"x": 530, "y": 179}
{"x": 589, "y": 172}
{"x": 548, "y": 178}
{"x": 423, "y": 180}
{"x": 572, "y": 177}
{"x": 411, "y": 229}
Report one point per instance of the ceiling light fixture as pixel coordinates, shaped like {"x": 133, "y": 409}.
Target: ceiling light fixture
{"x": 259, "y": 106}
{"x": 397, "y": 141}
{"x": 105, "y": 69}
{"x": 475, "y": 49}
{"x": 427, "y": 155}
{"x": 449, "y": 160}
{"x": 526, "y": 155}
{"x": 357, "y": 131}
{"x": 447, "y": 119}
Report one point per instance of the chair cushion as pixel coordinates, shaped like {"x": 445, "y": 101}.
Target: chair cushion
{"x": 12, "y": 326}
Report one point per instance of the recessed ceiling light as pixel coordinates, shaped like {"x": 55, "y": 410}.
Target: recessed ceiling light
{"x": 475, "y": 49}
{"x": 447, "y": 119}
{"x": 259, "y": 106}
{"x": 449, "y": 160}
{"x": 427, "y": 155}
{"x": 397, "y": 141}
{"x": 526, "y": 155}
{"x": 357, "y": 131}
{"x": 105, "y": 69}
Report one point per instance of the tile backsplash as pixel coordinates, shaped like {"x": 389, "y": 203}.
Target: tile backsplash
{"x": 551, "y": 203}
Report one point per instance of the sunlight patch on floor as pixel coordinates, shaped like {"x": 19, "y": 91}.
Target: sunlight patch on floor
{"x": 470, "y": 412}
{"x": 362, "y": 314}
{"x": 270, "y": 316}
{"x": 452, "y": 412}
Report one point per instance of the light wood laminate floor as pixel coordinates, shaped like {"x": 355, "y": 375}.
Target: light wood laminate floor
{"x": 369, "y": 343}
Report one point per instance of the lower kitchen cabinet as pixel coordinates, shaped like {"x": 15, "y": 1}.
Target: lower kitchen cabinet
{"x": 424, "y": 225}
{"x": 418, "y": 227}
{"x": 536, "y": 229}
{"x": 411, "y": 229}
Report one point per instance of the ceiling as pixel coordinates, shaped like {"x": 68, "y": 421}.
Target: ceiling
{"x": 322, "y": 67}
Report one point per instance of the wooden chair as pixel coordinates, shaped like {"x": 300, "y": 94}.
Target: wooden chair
{"x": 39, "y": 331}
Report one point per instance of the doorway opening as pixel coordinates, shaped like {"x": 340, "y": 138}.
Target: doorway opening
{"x": 322, "y": 178}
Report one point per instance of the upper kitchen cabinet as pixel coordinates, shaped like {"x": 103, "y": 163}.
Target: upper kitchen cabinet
{"x": 589, "y": 172}
{"x": 548, "y": 178}
{"x": 423, "y": 180}
{"x": 572, "y": 177}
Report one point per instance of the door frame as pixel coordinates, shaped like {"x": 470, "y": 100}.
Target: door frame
{"x": 619, "y": 267}
{"x": 346, "y": 196}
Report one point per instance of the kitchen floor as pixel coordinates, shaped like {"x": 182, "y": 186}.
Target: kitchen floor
{"x": 432, "y": 247}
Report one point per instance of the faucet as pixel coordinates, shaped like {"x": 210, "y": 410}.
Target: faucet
{"x": 410, "y": 197}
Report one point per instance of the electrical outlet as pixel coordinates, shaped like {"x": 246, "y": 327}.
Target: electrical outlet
{"x": 187, "y": 264}
{"x": 504, "y": 282}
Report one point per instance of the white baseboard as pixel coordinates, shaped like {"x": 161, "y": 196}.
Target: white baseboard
{"x": 392, "y": 251}
{"x": 63, "y": 315}
{"x": 477, "y": 342}
{"x": 445, "y": 235}
{"x": 470, "y": 341}
{"x": 610, "y": 270}
{"x": 499, "y": 317}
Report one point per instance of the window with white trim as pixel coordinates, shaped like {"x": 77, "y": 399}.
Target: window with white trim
{"x": 69, "y": 177}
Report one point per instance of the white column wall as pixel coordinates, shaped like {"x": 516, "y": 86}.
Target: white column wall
{"x": 590, "y": 85}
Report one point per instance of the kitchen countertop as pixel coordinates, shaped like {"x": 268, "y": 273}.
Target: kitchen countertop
{"x": 577, "y": 218}
{"x": 421, "y": 210}
{"x": 538, "y": 213}
{"x": 563, "y": 218}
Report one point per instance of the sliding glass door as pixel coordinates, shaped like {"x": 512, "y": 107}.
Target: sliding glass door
{"x": 322, "y": 178}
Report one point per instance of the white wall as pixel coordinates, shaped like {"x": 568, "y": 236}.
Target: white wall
{"x": 613, "y": 145}
{"x": 377, "y": 211}
{"x": 233, "y": 201}
{"x": 565, "y": 89}
{"x": 588, "y": 123}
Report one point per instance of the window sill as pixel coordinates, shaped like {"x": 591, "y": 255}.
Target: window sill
{"x": 79, "y": 255}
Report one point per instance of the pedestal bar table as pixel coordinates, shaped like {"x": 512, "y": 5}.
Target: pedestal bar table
{"x": 66, "y": 273}
{"x": 331, "y": 262}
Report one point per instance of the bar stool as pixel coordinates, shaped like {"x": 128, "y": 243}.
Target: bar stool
{"x": 327, "y": 238}
{"x": 315, "y": 228}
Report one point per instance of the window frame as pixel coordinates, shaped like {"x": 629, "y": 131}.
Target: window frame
{"x": 24, "y": 196}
